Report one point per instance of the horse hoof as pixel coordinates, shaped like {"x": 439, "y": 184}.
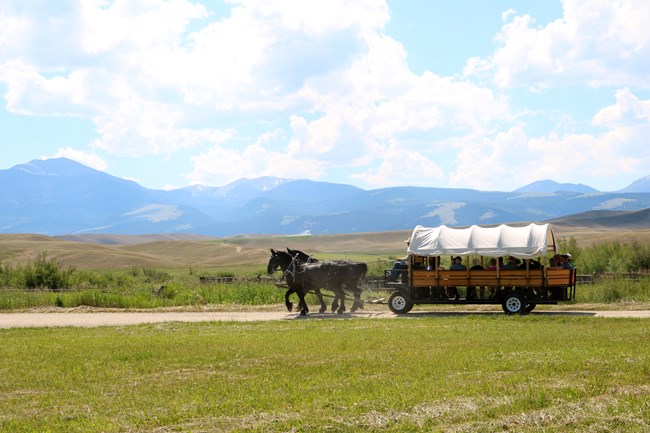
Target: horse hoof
{"x": 289, "y": 306}
{"x": 322, "y": 310}
{"x": 303, "y": 313}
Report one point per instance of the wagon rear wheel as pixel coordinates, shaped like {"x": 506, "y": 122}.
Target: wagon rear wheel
{"x": 398, "y": 304}
{"x": 513, "y": 303}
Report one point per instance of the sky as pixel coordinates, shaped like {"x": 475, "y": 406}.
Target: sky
{"x": 489, "y": 95}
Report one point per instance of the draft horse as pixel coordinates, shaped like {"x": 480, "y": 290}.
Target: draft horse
{"x": 362, "y": 268}
{"x": 335, "y": 276}
{"x": 287, "y": 262}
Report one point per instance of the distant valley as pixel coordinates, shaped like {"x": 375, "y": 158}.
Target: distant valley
{"x": 62, "y": 197}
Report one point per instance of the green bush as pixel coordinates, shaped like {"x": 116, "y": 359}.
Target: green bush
{"x": 608, "y": 257}
{"x": 46, "y": 274}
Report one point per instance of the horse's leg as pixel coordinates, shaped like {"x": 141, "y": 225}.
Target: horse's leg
{"x": 287, "y": 302}
{"x": 302, "y": 304}
{"x": 358, "y": 303}
{"x": 341, "y": 309}
{"x": 323, "y": 305}
{"x": 335, "y": 302}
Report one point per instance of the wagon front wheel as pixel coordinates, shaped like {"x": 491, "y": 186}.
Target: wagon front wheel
{"x": 513, "y": 303}
{"x": 398, "y": 304}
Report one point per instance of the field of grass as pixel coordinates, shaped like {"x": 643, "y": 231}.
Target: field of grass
{"x": 453, "y": 374}
{"x": 473, "y": 373}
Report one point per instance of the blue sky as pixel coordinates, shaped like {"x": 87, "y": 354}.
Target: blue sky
{"x": 490, "y": 95}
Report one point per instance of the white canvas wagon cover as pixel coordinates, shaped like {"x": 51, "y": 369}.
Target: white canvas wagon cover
{"x": 524, "y": 242}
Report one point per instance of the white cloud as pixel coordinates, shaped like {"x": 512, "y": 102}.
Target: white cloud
{"x": 617, "y": 148}
{"x": 153, "y": 84}
{"x": 488, "y": 163}
{"x": 132, "y": 25}
{"x": 598, "y": 42}
{"x": 401, "y": 166}
{"x": 86, "y": 158}
{"x": 293, "y": 89}
{"x": 219, "y": 166}
{"x": 629, "y": 110}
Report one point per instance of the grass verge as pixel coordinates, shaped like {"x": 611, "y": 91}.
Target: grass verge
{"x": 469, "y": 373}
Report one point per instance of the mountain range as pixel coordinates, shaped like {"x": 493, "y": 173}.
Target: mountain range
{"x": 59, "y": 196}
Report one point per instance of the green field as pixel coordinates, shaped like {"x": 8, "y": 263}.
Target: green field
{"x": 454, "y": 374}
{"x": 460, "y": 373}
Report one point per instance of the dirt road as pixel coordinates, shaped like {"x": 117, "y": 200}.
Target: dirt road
{"x": 121, "y": 318}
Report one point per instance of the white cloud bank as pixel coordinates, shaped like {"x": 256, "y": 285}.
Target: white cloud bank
{"x": 308, "y": 89}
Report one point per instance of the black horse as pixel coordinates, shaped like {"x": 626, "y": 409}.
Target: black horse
{"x": 361, "y": 267}
{"x": 335, "y": 276}
{"x": 304, "y": 258}
{"x": 287, "y": 263}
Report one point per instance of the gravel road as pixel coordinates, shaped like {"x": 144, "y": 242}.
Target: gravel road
{"x": 121, "y": 318}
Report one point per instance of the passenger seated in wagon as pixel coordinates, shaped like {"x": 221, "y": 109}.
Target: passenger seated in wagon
{"x": 456, "y": 265}
{"x": 471, "y": 291}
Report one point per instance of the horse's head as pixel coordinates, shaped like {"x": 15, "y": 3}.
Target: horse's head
{"x": 274, "y": 262}
{"x": 278, "y": 260}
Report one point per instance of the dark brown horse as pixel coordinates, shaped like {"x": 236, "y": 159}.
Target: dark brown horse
{"x": 335, "y": 276}
{"x": 356, "y": 291}
{"x": 286, "y": 262}
{"x": 339, "y": 277}
{"x": 306, "y": 258}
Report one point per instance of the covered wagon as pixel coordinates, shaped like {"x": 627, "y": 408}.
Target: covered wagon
{"x": 503, "y": 265}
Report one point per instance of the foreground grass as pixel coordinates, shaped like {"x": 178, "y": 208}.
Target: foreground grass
{"x": 471, "y": 373}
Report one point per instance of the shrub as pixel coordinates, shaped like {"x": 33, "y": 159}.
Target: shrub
{"x": 641, "y": 257}
{"x": 47, "y": 274}
{"x": 613, "y": 257}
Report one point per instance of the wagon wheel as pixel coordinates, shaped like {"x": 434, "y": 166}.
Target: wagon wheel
{"x": 398, "y": 304}
{"x": 513, "y": 303}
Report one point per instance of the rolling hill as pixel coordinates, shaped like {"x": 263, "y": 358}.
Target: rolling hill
{"x": 248, "y": 253}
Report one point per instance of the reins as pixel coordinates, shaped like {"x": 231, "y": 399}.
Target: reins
{"x": 291, "y": 268}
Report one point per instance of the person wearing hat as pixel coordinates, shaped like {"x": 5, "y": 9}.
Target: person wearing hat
{"x": 457, "y": 264}
{"x": 512, "y": 263}
{"x": 566, "y": 262}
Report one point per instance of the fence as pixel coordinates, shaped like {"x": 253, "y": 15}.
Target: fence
{"x": 621, "y": 276}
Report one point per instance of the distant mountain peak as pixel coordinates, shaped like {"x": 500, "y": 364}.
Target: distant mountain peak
{"x": 55, "y": 167}
{"x": 639, "y": 185}
{"x": 244, "y": 185}
{"x": 264, "y": 183}
{"x": 548, "y": 185}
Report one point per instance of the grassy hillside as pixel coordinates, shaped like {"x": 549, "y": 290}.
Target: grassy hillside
{"x": 123, "y": 252}
{"x": 117, "y": 252}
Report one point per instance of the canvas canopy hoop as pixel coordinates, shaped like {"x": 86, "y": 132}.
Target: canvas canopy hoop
{"x": 524, "y": 242}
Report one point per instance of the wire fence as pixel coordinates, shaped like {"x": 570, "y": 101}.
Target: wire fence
{"x": 610, "y": 276}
